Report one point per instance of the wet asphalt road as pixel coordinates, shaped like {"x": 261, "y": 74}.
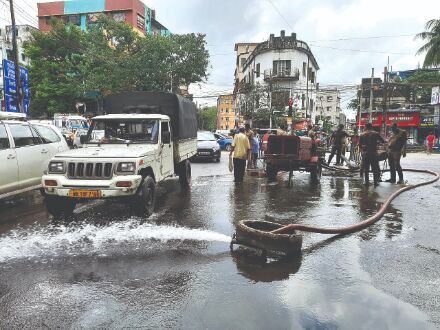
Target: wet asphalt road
{"x": 107, "y": 268}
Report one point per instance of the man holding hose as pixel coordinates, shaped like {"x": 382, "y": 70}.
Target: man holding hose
{"x": 396, "y": 149}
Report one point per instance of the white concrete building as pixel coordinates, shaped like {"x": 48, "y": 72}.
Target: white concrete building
{"x": 286, "y": 67}
{"x": 6, "y": 47}
{"x": 328, "y": 106}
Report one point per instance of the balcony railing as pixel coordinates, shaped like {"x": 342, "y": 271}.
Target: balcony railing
{"x": 291, "y": 74}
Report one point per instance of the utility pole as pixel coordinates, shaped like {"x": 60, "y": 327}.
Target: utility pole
{"x": 359, "y": 107}
{"x": 307, "y": 84}
{"x": 370, "y": 109}
{"x": 385, "y": 101}
{"x": 270, "y": 105}
{"x": 17, "y": 64}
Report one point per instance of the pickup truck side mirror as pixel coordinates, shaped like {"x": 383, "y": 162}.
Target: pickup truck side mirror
{"x": 166, "y": 137}
{"x": 83, "y": 139}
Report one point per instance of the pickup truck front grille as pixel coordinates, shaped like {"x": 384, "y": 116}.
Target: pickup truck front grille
{"x": 91, "y": 171}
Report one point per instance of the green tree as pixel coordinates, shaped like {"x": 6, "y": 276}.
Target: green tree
{"x": 110, "y": 57}
{"x": 55, "y": 69}
{"x": 207, "y": 119}
{"x": 423, "y": 93}
{"x": 432, "y": 45}
{"x": 111, "y": 49}
{"x": 353, "y": 104}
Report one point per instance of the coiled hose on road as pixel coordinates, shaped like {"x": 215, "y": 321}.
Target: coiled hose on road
{"x": 365, "y": 223}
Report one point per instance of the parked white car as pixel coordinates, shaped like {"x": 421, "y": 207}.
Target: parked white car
{"x": 25, "y": 151}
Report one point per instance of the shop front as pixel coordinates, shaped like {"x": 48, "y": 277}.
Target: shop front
{"x": 406, "y": 120}
{"x": 428, "y": 125}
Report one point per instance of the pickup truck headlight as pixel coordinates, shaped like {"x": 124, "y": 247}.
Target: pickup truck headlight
{"x": 57, "y": 168}
{"x": 126, "y": 168}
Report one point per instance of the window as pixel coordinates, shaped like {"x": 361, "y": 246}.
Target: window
{"x": 23, "y": 135}
{"x": 329, "y": 98}
{"x": 23, "y": 57}
{"x": 242, "y": 61}
{"x": 119, "y": 131}
{"x": 227, "y": 111}
{"x": 4, "y": 140}
{"x": 258, "y": 70}
{"x": 304, "y": 68}
{"x": 281, "y": 67}
{"x": 165, "y": 129}
{"x": 47, "y": 134}
{"x": 329, "y": 108}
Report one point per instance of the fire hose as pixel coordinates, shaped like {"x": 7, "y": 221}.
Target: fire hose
{"x": 365, "y": 223}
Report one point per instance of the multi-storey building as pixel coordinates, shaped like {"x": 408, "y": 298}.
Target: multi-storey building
{"x": 328, "y": 107}
{"x": 23, "y": 33}
{"x": 84, "y": 12}
{"x": 225, "y": 112}
{"x": 283, "y": 67}
{"x": 394, "y": 101}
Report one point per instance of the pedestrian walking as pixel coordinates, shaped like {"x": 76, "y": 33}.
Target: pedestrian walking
{"x": 255, "y": 151}
{"x": 430, "y": 139}
{"x": 396, "y": 149}
{"x": 337, "y": 141}
{"x": 240, "y": 150}
{"x": 311, "y": 133}
{"x": 368, "y": 143}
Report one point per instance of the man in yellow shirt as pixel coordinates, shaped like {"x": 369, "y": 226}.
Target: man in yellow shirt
{"x": 241, "y": 148}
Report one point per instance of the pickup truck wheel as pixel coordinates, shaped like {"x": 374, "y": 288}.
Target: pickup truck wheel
{"x": 59, "y": 206}
{"x": 185, "y": 174}
{"x": 228, "y": 147}
{"x": 146, "y": 198}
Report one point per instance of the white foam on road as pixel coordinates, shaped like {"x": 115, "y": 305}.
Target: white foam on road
{"x": 89, "y": 238}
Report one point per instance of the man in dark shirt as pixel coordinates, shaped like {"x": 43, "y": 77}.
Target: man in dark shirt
{"x": 337, "y": 140}
{"x": 396, "y": 149}
{"x": 368, "y": 143}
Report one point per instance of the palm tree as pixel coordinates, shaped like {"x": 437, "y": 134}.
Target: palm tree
{"x": 432, "y": 46}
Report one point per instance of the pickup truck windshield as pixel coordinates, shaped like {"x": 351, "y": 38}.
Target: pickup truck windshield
{"x": 123, "y": 131}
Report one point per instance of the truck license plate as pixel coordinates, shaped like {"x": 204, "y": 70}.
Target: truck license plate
{"x": 79, "y": 193}
{"x": 204, "y": 153}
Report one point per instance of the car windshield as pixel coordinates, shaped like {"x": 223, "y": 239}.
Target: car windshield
{"x": 123, "y": 131}
{"x": 205, "y": 136}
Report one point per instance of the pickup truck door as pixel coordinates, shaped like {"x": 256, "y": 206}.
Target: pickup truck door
{"x": 31, "y": 154}
{"x": 167, "y": 160}
{"x": 8, "y": 164}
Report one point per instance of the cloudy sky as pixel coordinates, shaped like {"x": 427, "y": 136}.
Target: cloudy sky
{"x": 347, "y": 37}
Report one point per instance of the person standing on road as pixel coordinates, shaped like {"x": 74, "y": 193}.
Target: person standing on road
{"x": 430, "y": 139}
{"x": 311, "y": 132}
{"x": 281, "y": 130}
{"x": 240, "y": 149}
{"x": 368, "y": 143}
{"x": 337, "y": 140}
{"x": 255, "y": 151}
{"x": 396, "y": 149}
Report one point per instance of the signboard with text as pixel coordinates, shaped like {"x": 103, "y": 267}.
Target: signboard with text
{"x": 10, "y": 87}
{"x": 403, "y": 119}
{"x": 435, "y": 95}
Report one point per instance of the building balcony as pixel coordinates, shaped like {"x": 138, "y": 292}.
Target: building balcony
{"x": 286, "y": 74}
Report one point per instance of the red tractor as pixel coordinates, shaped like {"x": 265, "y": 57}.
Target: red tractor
{"x": 294, "y": 153}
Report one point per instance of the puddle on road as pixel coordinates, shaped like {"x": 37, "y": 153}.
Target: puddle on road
{"x": 55, "y": 241}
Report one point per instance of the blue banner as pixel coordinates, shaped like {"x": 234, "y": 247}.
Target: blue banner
{"x": 10, "y": 87}
{"x": 11, "y": 103}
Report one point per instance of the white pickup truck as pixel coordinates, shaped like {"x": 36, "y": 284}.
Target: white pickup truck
{"x": 126, "y": 154}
